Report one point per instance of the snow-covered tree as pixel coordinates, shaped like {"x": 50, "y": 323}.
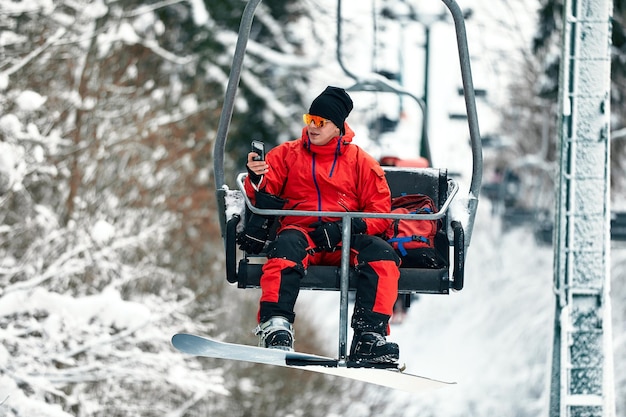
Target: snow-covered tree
{"x": 109, "y": 242}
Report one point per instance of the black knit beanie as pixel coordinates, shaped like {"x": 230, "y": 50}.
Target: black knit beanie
{"x": 333, "y": 104}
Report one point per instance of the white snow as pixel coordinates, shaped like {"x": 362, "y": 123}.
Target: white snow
{"x": 106, "y": 307}
{"x": 29, "y": 100}
{"x": 96, "y": 10}
{"x": 10, "y": 125}
{"x": 199, "y": 12}
{"x": 102, "y": 231}
{"x": 235, "y": 205}
{"x": 12, "y": 396}
{"x": 4, "y": 81}
{"x": 127, "y": 34}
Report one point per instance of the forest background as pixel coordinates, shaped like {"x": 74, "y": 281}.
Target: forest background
{"x": 109, "y": 239}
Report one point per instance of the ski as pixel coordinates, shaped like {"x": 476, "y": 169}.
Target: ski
{"x": 379, "y": 375}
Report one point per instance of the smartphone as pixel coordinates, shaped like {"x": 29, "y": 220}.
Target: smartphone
{"x": 259, "y": 148}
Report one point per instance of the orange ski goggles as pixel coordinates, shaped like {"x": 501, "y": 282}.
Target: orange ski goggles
{"x": 318, "y": 121}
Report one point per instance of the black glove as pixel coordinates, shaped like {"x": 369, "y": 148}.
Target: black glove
{"x": 253, "y": 237}
{"x": 326, "y": 235}
{"x": 254, "y": 178}
{"x": 257, "y": 230}
{"x": 359, "y": 227}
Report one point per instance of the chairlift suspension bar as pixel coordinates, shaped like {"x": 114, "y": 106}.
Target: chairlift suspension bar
{"x": 340, "y": 43}
{"x": 231, "y": 91}
{"x": 378, "y": 83}
{"x": 472, "y": 115}
{"x": 343, "y": 291}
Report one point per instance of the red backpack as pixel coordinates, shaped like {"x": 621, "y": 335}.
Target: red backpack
{"x": 408, "y": 236}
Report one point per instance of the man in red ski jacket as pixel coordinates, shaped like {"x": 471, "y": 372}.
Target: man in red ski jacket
{"x": 323, "y": 171}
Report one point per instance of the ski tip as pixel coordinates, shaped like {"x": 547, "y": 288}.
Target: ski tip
{"x": 190, "y": 343}
{"x": 176, "y": 338}
{"x": 180, "y": 339}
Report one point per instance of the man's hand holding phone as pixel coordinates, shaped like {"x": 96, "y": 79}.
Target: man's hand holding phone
{"x": 256, "y": 165}
{"x": 258, "y": 148}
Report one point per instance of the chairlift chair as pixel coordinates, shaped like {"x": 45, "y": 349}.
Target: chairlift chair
{"x": 245, "y": 269}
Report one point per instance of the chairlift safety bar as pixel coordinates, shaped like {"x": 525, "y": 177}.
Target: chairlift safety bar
{"x": 453, "y": 188}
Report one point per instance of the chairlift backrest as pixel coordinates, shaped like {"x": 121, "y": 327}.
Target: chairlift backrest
{"x": 429, "y": 181}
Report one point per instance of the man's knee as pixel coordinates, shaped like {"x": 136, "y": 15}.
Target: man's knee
{"x": 289, "y": 244}
{"x": 373, "y": 248}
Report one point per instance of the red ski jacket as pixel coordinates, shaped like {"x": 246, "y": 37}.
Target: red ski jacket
{"x": 338, "y": 176}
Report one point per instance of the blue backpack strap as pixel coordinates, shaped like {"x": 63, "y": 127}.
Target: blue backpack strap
{"x": 402, "y": 240}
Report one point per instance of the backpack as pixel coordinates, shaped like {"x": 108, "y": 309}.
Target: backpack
{"x": 414, "y": 240}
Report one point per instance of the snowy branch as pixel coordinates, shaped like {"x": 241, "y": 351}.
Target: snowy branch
{"x": 178, "y": 117}
{"x": 68, "y": 264}
{"x": 152, "y": 7}
{"x": 105, "y": 340}
{"x": 49, "y": 42}
{"x": 278, "y": 59}
{"x": 261, "y": 91}
{"x": 165, "y": 54}
{"x": 184, "y": 407}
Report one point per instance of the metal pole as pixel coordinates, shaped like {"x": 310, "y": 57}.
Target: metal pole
{"x": 472, "y": 116}
{"x": 344, "y": 287}
{"x": 424, "y": 149}
{"x": 582, "y": 361}
{"x": 231, "y": 91}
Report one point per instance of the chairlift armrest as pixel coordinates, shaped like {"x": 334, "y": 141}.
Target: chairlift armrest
{"x": 231, "y": 248}
{"x": 459, "y": 255}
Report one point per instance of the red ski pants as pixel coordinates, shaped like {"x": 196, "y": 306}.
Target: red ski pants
{"x": 293, "y": 251}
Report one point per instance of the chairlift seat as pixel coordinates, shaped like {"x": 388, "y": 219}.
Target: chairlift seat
{"x": 430, "y": 181}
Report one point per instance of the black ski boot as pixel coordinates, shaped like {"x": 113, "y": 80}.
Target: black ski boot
{"x": 275, "y": 333}
{"x": 371, "y": 347}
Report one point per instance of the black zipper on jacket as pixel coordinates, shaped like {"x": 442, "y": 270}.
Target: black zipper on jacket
{"x": 317, "y": 187}
{"x": 332, "y": 170}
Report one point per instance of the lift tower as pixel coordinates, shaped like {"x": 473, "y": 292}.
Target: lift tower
{"x": 582, "y": 359}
